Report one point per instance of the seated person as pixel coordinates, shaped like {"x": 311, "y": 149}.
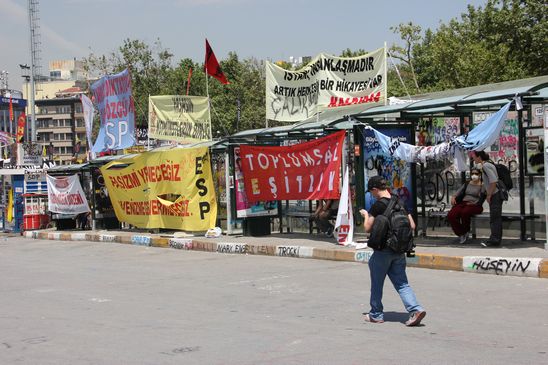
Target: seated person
{"x": 467, "y": 202}
{"x": 324, "y": 212}
{"x": 82, "y": 220}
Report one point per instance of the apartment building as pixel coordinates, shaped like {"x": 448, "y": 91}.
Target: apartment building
{"x": 60, "y": 127}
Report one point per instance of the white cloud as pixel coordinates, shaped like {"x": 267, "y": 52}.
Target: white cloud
{"x": 209, "y": 2}
{"x": 19, "y": 15}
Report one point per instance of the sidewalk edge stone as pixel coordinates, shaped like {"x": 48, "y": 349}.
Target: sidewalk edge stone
{"x": 543, "y": 269}
{"x": 530, "y": 267}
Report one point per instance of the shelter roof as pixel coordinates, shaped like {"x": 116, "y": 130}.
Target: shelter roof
{"x": 469, "y": 97}
{"x": 67, "y": 168}
{"x": 106, "y": 159}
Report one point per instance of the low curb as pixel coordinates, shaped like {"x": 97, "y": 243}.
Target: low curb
{"x": 500, "y": 266}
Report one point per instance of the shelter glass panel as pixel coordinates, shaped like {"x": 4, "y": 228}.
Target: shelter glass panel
{"x": 440, "y": 178}
{"x": 397, "y": 173}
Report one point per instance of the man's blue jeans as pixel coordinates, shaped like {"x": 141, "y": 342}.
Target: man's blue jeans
{"x": 383, "y": 263}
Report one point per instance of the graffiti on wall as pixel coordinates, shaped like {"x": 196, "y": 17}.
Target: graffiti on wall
{"x": 396, "y": 172}
{"x": 441, "y": 179}
{"x": 502, "y": 266}
{"x": 505, "y": 148}
{"x": 431, "y": 131}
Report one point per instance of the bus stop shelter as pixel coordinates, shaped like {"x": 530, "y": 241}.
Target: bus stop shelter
{"x": 436, "y": 117}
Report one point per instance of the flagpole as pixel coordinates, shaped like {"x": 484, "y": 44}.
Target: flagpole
{"x": 148, "y": 124}
{"x": 385, "y": 76}
{"x": 208, "y": 103}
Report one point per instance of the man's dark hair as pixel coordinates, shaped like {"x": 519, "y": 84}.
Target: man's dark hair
{"x": 483, "y": 155}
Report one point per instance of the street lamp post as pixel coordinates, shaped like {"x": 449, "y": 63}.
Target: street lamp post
{"x": 25, "y": 70}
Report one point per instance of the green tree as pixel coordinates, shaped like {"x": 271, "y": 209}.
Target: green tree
{"x": 152, "y": 73}
{"x": 411, "y": 36}
{"x": 149, "y": 66}
{"x": 246, "y": 91}
{"x": 504, "y": 40}
{"x": 350, "y": 53}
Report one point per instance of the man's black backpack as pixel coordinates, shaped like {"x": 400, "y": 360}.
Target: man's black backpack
{"x": 504, "y": 183}
{"x": 392, "y": 229}
{"x": 504, "y": 175}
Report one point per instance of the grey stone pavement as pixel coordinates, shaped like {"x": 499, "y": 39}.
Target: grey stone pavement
{"x": 513, "y": 257}
{"x": 89, "y": 303}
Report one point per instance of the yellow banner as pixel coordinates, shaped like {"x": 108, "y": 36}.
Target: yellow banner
{"x": 179, "y": 118}
{"x": 164, "y": 189}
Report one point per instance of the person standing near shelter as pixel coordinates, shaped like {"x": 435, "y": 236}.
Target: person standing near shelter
{"x": 385, "y": 262}
{"x": 494, "y": 199}
{"x": 467, "y": 202}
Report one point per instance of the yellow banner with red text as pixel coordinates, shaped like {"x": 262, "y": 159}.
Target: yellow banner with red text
{"x": 163, "y": 189}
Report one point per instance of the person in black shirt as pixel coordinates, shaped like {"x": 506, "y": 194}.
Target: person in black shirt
{"x": 386, "y": 262}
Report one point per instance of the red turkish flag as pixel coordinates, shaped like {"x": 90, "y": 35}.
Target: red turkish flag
{"x": 212, "y": 67}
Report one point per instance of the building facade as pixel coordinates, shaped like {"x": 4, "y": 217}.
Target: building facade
{"x": 8, "y": 120}
{"x": 61, "y": 129}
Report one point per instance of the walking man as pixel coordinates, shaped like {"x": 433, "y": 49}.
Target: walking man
{"x": 494, "y": 198}
{"x": 385, "y": 262}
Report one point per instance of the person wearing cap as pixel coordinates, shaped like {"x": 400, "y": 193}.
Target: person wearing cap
{"x": 386, "y": 262}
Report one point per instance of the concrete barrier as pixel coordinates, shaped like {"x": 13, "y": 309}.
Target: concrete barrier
{"x": 514, "y": 266}
{"x": 530, "y": 267}
{"x": 543, "y": 269}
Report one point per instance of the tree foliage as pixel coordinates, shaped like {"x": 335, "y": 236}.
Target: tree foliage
{"x": 153, "y": 73}
{"x": 504, "y": 40}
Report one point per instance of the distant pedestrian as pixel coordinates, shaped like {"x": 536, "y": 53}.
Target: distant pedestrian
{"x": 467, "y": 202}
{"x": 490, "y": 179}
{"x": 385, "y": 262}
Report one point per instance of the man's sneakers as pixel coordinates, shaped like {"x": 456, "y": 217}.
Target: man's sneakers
{"x": 368, "y": 318}
{"x": 415, "y": 318}
{"x": 490, "y": 243}
{"x": 329, "y": 232}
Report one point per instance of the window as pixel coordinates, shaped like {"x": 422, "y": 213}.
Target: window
{"x": 44, "y": 137}
{"x": 55, "y": 74}
{"x": 78, "y": 108}
{"x": 63, "y": 109}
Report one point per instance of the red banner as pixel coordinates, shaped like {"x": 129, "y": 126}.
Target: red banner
{"x": 11, "y": 110}
{"x": 305, "y": 171}
{"x": 21, "y": 127}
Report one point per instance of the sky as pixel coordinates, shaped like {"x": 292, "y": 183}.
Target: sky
{"x": 263, "y": 29}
